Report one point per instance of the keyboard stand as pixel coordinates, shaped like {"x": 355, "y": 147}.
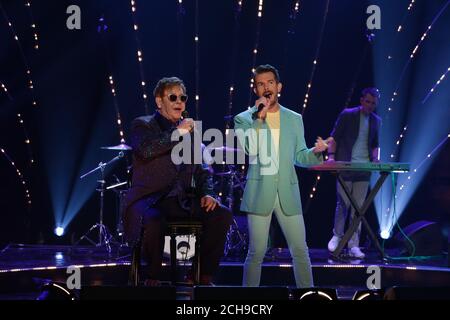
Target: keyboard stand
{"x": 360, "y": 213}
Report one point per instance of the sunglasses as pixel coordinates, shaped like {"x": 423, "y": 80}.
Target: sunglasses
{"x": 173, "y": 97}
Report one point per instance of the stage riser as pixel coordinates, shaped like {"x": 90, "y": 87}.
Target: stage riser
{"x": 231, "y": 275}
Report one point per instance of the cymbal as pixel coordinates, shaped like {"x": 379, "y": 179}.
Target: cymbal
{"x": 122, "y": 147}
{"x": 223, "y": 173}
{"x": 227, "y": 149}
{"x": 116, "y": 185}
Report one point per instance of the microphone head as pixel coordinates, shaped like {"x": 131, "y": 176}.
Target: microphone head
{"x": 185, "y": 114}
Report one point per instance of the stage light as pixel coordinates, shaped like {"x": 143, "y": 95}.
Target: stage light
{"x": 425, "y": 129}
{"x": 53, "y": 291}
{"x": 384, "y": 234}
{"x": 59, "y": 256}
{"x": 377, "y": 294}
{"x": 317, "y": 294}
{"x": 59, "y": 231}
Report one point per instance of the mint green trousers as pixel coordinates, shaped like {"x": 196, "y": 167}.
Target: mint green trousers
{"x": 293, "y": 228}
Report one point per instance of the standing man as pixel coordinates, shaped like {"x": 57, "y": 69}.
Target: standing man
{"x": 161, "y": 190}
{"x": 355, "y": 136}
{"x": 273, "y": 136}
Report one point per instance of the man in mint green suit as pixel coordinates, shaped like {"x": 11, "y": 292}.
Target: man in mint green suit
{"x": 273, "y": 137}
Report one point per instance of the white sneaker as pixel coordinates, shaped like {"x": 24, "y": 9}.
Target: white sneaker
{"x": 356, "y": 253}
{"x": 333, "y": 244}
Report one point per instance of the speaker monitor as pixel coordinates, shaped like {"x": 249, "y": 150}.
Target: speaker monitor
{"x": 426, "y": 236}
{"x": 314, "y": 294}
{"x": 127, "y": 293}
{"x": 240, "y": 293}
{"x": 417, "y": 293}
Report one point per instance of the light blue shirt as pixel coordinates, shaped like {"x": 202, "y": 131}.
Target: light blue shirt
{"x": 360, "y": 150}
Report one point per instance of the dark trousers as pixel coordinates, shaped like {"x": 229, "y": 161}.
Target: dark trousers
{"x": 215, "y": 227}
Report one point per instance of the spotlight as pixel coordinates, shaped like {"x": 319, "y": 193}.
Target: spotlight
{"x": 369, "y": 295}
{"x": 322, "y": 294}
{"x": 59, "y": 231}
{"x": 53, "y": 291}
{"x": 59, "y": 256}
{"x": 385, "y": 234}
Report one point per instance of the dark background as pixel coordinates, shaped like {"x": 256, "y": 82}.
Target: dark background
{"x": 75, "y": 112}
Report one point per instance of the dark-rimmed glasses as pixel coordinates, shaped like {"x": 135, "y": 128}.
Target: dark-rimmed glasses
{"x": 174, "y": 97}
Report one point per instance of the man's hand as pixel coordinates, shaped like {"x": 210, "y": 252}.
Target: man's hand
{"x": 209, "y": 203}
{"x": 265, "y": 101}
{"x": 187, "y": 125}
{"x": 321, "y": 145}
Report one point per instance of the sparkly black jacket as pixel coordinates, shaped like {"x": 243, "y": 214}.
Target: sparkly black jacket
{"x": 154, "y": 173}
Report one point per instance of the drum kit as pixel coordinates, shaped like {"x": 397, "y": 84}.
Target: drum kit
{"x": 229, "y": 183}
{"x": 105, "y": 238}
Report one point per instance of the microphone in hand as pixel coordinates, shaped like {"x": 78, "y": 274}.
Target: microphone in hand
{"x": 255, "y": 114}
{"x": 186, "y": 123}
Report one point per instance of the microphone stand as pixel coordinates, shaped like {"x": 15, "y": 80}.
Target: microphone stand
{"x": 191, "y": 194}
{"x": 104, "y": 236}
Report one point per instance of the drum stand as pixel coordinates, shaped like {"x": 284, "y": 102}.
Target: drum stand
{"x": 105, "y": 238}
{"x": 235, "y": 239}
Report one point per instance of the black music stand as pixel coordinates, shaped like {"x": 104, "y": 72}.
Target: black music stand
{"x": 360, "y": 212}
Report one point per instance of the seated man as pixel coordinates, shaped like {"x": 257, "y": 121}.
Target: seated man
{"x": 162, "y": 190}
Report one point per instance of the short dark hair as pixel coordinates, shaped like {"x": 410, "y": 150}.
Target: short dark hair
{"x": 165, "y": 83}
{"x": 374, "y": 92}
{"x": 266, "y": 68}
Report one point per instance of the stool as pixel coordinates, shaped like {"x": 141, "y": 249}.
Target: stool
{"x": 135, "y": 267}
{"x": 173, "y": 229}
{"x": 184, "y": 227}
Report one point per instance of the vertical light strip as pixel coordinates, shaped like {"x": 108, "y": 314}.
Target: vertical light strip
{"x": 400, "y": 26}
{"x": 413, "y": 54}
{"x": 236, "y": 28}
{"x": 22, "y": 55}
{"x": 180, "y": 36}
{"x": 27, "y": 139}
{"x": 5, "y": 90}
{"x": 21, "y": 178}
{"x": 197, "y": 61}
{"x": 33, "y": 25}
{"x": 316, "y": 58}
{"x": 139, "y": 55}
{"x": 255, "y": 48}
{"x": 397, "y": 144}
{"x": 435, "y": 86}
{"x": 429, "y": 155}
{"x": 116, "y": 106}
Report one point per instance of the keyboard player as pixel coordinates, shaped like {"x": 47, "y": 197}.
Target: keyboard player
{"x": 355, "y": 136}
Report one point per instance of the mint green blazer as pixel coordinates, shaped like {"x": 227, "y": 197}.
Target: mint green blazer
{"x": 268, "y": 174}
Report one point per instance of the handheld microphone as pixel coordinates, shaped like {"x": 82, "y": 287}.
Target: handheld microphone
{"x": 185, "y": 115}
{"x": 260, "y": 107}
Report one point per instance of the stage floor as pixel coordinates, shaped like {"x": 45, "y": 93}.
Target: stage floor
{"x": 24, "y": 268}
